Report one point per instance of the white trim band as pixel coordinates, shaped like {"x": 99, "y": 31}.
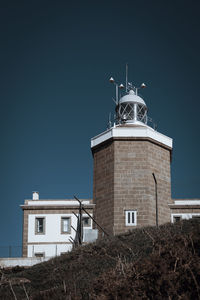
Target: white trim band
{"x": 56, "y": 202}
{"x": 132, "y": 131}
{"x": 187, "y": 202}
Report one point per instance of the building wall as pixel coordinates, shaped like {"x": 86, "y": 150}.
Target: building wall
{"x": 11, "y": 262}
{"x": 49, "y": 249}
{"x": 159, "y": 161}
{"x": 25, "y": 234}
{"x": 185, "y": 208}
{"x": 53, "y": 242}
{"x": 185, "y": 215}
{"x": 103, "y": 186}
{"x": 123, "y": 181}
{"x": 52, "y": 228}
{"x": 134, "y": 186}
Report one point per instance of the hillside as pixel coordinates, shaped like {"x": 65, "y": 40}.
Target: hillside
{"x": 146, "y": 263}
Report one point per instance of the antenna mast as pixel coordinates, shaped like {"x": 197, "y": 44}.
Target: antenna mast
{"x": 126, "y": 78}
{"x": 130, "y": 108}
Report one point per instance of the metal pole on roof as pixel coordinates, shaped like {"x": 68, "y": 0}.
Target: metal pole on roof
{"x": 126, "y": 78}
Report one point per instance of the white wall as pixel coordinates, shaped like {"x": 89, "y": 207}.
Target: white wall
{"x": 49, "y": 250}
{"x": 49, "y": 242}
{"x": 57, "y": 202}
{"x": 52, "y": 228}
{"x": 21, "y": 261}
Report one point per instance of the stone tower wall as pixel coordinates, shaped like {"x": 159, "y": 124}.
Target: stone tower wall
{"x": 134, "y": 186}
{"x": 123, "y": 181}
{"x": 103, "y": 186}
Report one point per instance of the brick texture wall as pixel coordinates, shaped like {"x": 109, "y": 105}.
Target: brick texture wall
{"x": 103, "y": 186}
{"x": 186, "y": 210}
{"x": 123, "y": 181}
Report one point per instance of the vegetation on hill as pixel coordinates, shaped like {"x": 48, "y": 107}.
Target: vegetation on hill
{"x": 148, "y": 263}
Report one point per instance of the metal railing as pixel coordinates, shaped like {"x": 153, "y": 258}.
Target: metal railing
{"x": 145, "y": 119}
{"x": 151, "y": 123}
{"x": 10, "y": 251}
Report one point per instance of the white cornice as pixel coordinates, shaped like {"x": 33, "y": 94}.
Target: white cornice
{"x": 132, "y": 132}
{"x": 187, "y": 202}
{"x": 56, "y": 202}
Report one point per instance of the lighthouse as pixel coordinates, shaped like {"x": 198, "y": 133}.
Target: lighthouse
{"x": 131, "y": 170}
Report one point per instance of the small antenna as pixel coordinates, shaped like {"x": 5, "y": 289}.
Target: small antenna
{"x": 109, "y": 121}
{"x": 116, "y": 88}
{"x": 126, "y": 78}
{"x": 117, "y": 93}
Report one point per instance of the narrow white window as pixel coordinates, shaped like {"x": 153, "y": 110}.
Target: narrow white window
{"x": 65, "y": 225}
{"x": 40, "y": 226}
{"x": 131, "y": 217}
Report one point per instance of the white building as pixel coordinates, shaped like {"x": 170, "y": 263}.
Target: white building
{"x": 47, "y": 225}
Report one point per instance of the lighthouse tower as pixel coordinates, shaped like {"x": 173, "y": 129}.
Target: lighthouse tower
{"x": 132, "y": 181}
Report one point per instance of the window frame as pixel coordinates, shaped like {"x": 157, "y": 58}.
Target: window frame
{"x": 89, "y": 223}
{"x": 175, "y": 219}
{"x": 36, "y": 226}
{"x": 127, "y": 212}
{"x": 39, "y": 254}
{"x": 62, "y": 225}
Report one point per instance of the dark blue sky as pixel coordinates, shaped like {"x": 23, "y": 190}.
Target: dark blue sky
{"x": 55, "y": 61}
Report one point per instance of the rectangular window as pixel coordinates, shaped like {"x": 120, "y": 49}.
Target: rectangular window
{"x": 40, "y": 225}
{"x": 131, "y": 217}
{"x": 86, "y": 221}
{"x": 65, "y": 225}
{"x": 176, "y": 219}
{"x": 39, "y": 254}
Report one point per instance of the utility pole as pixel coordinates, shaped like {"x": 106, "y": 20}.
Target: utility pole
{"x": 82, "y": 208}
{"x": 80, "y": 224}
{"x": 78, "y": 240}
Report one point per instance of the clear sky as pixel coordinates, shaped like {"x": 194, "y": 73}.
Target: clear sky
{"x": 56, "y": 58}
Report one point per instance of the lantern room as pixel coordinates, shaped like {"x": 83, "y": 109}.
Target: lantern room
{"x": 131, "y": 109}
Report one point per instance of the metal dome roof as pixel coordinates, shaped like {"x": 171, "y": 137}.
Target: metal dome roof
{"x": 132, "y": 97}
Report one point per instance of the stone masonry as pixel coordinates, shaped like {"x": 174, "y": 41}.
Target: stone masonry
{"x": 123, "y": 181}
{"x": 103, "y": 186}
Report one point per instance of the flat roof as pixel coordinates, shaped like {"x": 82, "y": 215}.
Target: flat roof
{"x": 132, "y": 131}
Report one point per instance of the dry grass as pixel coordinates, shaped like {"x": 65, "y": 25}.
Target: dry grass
{"x": 146, "y": 263}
